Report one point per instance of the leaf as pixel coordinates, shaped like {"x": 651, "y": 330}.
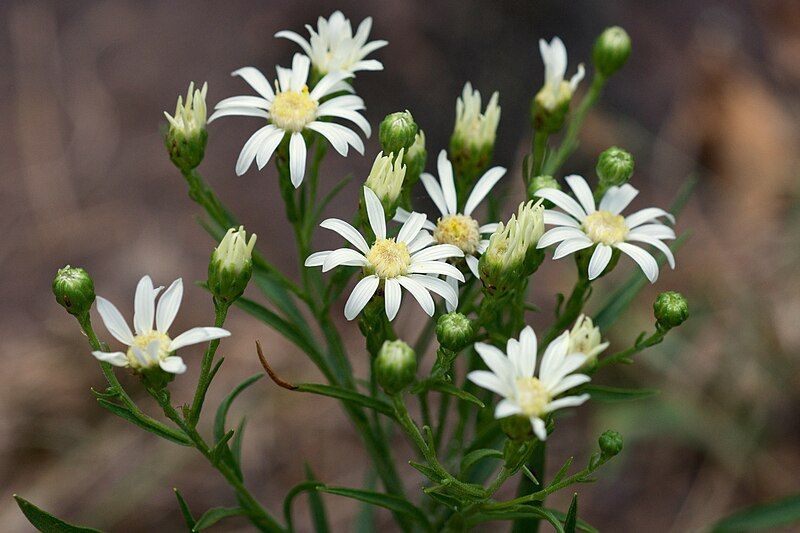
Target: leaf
{"x": 476, "y": 456}
{"x": 426, "y": 471}
{"x": 520, "y": 512}
{"x": 572, "y": 515}
{"x": 452, "y": 390}
{"x": 185, "y": 511}
{"x": 146, "y": 423}
{"x": 236, "y": 443}
{"x": 768, "y": 515}
{"x": 318, "y": 515}
{"x": 215, "y": 514}
{"x": 580, "y": 525}
{"x": 603, "y": 393}
{"x": 47, "y": 523}
{"x": 387, "y": 501}
{"x": 347, "y": 395}
{"x": 288, "y": 500}
{"x": 562, "y": 471}
{"x": 222, "y": 410}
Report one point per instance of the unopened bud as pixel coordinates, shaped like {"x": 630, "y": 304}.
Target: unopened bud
{"x": 186, "y": 138}
{"x": 395, "y": 366}
{"x": 474, "y": 134}
{"x": 542, "y": 182}
{"x": 517, "y": 427}
{"x": 611, "y": 50}
{"x": 610, "y": 443}
{"x": 670, "y": 309}
{"x": 231, "y": 265}
{"x": 454, "y": 331}
{"x": 74, "y": 290}
{"x": 397, "y": 132}
{"x": 614, "y": 167}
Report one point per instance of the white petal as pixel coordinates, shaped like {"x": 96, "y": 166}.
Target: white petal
{"x": 375, "y": 214}
{"x": 251, "y": 148}
{"x": 599, "y": 261}
{"x": 343, "y": 257}
{"x": 582, "y": 192}
{"x": 656, "y": 231}
{"x": 562, "y": 200}
{"x": 292, "y": 36}
{"x": 569, "y": 382}
{"x": 173, "y": 365}
{"x": 576, "y": 79}
{"x": 422, "y": 240}
{"x": 569, "y": 401}
{"x": 141, "y": 356}
{"x": 435, "y": 253}
{"x": 238, "y": 111}
{"x": 570, "y": 363}
{"x": 506, "y": 408}
{"x": 401, "y": 215}
{"x": 453, "y": 283}
{"x": 144, "y": 306}
{"x": 646, "y": 215}
{"x": 297, "y": 158}
{"x": 348, "y": 114}
{"x": 448, "y": 184}
{"x": 643, "y": 258}
{"x": 617, "y": 198}
{"x": 658, "y": 244}
{"x": 419, "y": 292}
{"x": 491, "y": 382}
{"x": 556, "y": 218}
{"x": 367, "y": 64}
{"x": 483, "y": 245}
{"x": 168, "y": 305}
{"x": 489, "y": 228}
{"x": 317, "y": 259}
{"x": 434, "y": 191}
{"x": 347, "y": 231}
{"x": 553, "y": 357}
{"x": 558, "y": 234}
{"x": 256, "y": 80}
{"x": 332, "y": 134}
{"x": 324, "y": 86}
{"x": 472, "y": 263}
{"x": 393, "y": 296}
{"x": 348, "y": 101}
{"x": 497, "y": 361}
{"x": 482, "y": 188}
{"x": 300, "y": 67}
{"x": 114, "y": 322}
{"x": 436, "y": 267}
{"x": 439, "y": 286}
{"x": 361, "y": 295}
{"x": 196, "y": 336}
{"x": 539, "y": 428}
{"x": 243, "y": 101}
{"x": 570, "y": 246}
{"x": 411, "y": 228}
{"x": 269, "y": 144}
{"x": 115, "y": 358}
{"x": 527, "y": 352}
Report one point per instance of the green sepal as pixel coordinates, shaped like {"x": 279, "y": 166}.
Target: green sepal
{"x": 47, "y": 523}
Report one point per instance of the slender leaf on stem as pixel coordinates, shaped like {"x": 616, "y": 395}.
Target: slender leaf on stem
{"x": 185, "y": 511}
{"x": 764, "y": 516}
{"x": 452, "y": 390}
{"x": 47, "y": 523}
{"x": 476, "y": 456}
{"x": 215, "y": 514}
{"x": 570, "y": 521}
{"x": 520, "y": 512}
{"x": 347, "y": 395}
{"x": 387, "y": 501}
{"x": 318, "y": 516}
{"x": 148, "y": 424}
{"x": 222, "y": 410}
{"x": 562, "y": 471}
{"x": 305, "y": 486}
{"x": 603, "y": 393}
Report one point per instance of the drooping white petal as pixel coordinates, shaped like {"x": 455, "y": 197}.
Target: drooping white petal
{"x": 658, "y": 244}
{"x": 599, "y": 261}
{"x": 347, "y": 231}
{"x": 435, "y": 192}
{"x": 643, "y": 258}
{"x": 268, "y": 146}
{"x": 646, "y": 215}
{"x": 256, "y": 80}
{"x": 347, "y": 101}
{"x": 375, "y": 214}
{"x": 617, "y": 198}
{"x": 577, "y": 77}
{"x": 436, "y": 267}
{"x": 361, "y": 295}
{"x": 557, "y": 218}
{"x": 393, "y": 296}
{"x": 496, "y": 360}
{"x": 173, "y": 364}
{"x": 419, "y": 292}
{"x": 582, "y": 192}
{"x": 539, "y": 428}
{"x": 140, "y": 356}
{"x": 343, "y": 257}
{"x": 482, "y": 188}
{"x": 439, "y": 286}
{"x": 568, "y": 401}
{"x": 562, "y": 200}
{"x": 570, "y": 246}
{"x": 323, "y": 86}
{"x": 251, "y": 148}
{"x": 453, "y": 283}
{"x": 144, "y": 306}
{"x": 506, "y": 408}
{"x": 411, "y": 227}
{"x": 445, "y": 169}
{"x": 168, "y": 305}
{"x": 317, "y": 258}
{"x": 348, "y": 114}
{"x": 332, "y": 134}
{"x": 472, "y": 264}
{"x": 114, "y": 322}
{"x": 297, "y": 158}
{"x": 558, "y": 234}
{"x": 292, "y": 36}
{"x": 437, "y": 252}
{"x": 114, "y": 358}
{"x": 490, "y": 381}
{"x": 196, "y": 336}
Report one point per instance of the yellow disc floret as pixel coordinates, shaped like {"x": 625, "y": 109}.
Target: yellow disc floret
{"x": 142, "y": 342}
{"x": 389, "y": 259}
{"x": 532, "y": 396}
{"x": 605, "y": 227}
{"x": 293, "y": 110}
{"x": 458, "y": 230}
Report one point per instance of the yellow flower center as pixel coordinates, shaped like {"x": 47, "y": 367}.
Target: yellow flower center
{"x": 389, "y": 259}
{"x": 458, "y": 230}
{"x": 293, "y": 110}
{"x": 532, "y": 396}
{"x": 142, "y": 342}
{"x": 605, "y": 227}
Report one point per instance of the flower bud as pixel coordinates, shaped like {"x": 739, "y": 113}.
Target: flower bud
{"x": 74, "y": 290}
{"x": 610, "y": 443}
{"x": 670, "y": 309}
{"x": 517, "y": 427}
{"x": 187, "y": 135}
{"x": 542, "y": 182}
{"x": 415, "y": 159}
{"x": 549, "y": 110}
{"x": 397, "y": 132}
{"x": 611, "y": 50}
{"x": 474, "y": 134}
{"x": 231, "y": 265}
{"x": 585, "y": 339}
{"x": 454, "y": 331}
{"x": 614, "y": 167}
{"x": 395, "y": 366}
{"x": 386, "y": 179}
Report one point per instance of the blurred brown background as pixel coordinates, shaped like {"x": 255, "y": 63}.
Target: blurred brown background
{"x": 711, "y": 89}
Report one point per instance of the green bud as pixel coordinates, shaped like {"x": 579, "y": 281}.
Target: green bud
{"x": 548, "y": 113}
{"x": 611, "y": 50}
{"x": 454, "y": 331}
{"x": 395, "y": 366}
{"x": 614, "y": 167}
{"x": 74, "y": 290}
{"x": 542, "y": 182}
{"x": 670, "y": 309}
{"x": 231, "y": 265}
{"x": 397, "y": 131}
{"x": 517, "y": 427}
{"x": 187, "y": 136}
{"x": 610, "y": 443}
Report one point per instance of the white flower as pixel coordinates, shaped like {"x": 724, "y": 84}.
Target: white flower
{"x": 386, "y": 177}
{"x": 333, "y": 47}
{"x": 190, "y": 118}
{"x": 472, "y": 127}
{"x": 554, "y": 56}
{"x": 584, "y": 226}
{"x": 150, "y": 347}
{"x": 511, "y": 375}
{"x": 585, "y": 338}
{"x": 290, "y": 109}
{"x": 407, "y": 261}
{"x": 457, "y": 227}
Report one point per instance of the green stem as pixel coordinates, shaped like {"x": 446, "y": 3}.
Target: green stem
{"x": 625, "y": 355}
{"x": 539, "y": 151}
{"x": 204, "y": 381}
{"x": 527, "y": 486}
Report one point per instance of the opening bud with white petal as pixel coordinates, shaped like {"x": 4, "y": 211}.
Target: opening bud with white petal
{"x": 397, "y": 132}
{"x": 74, "y": 290}
{"x": 231, "y": 265}
{"x": 454, "y": 331}
{"x": 585, "y": 338}
{"x": 614, "y": 167}
{"x": 611, "y": 50}
{"x": 474, "y": 134}
{"x": 670, "y": 309}
{"x": 386, "y": 179}
{"x": 186, "y": 137}
{"x": 395, "y": 367}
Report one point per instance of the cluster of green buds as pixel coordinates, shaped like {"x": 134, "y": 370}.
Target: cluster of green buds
{"x": 187, "y": 135}
{"x": 231, "y": 265}
{"x": 395, "y": 366}
{"x": 611, "y": 51}
{"x": 474, "y": 134}
{"x": 670, "y": 309}
{"x": 512, "y": 255}
{"x": 386, "y": 179}
{"x": 74, "y": 290}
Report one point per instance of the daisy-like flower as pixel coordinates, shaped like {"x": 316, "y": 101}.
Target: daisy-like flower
{"x": 556, "y": 89}
{"x": 150, "y": 348}
{"x": 585, "y": 338}
{"x": 408, "y": 261}
{"x": 290, "y": 109}
{"x": 454, "y": 227}
{"x": 582, "y": 225}
{"x": 512, "y": 375}
{"x": 334, "y": 48}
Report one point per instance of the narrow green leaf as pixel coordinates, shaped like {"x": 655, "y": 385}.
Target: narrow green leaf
{"x": 603, "y": 393}
{"x": 47, "y": 523}
{"x": 520, "y": 512}
{"x": 288, "y": 500}
{"x": 764, "y": 516}
{"x": 580, "y": 525}
{"x": 452, "y": 390}
{"x": 318, "y": 516}
{"x": 387, "y": 501}
{"x": 221, "y": 447}
{"x": 562, "y": 471}
{"x": 215, "y": 514}
{"x": 224, "y": 406}
{"x": 146, "y": 423}
{"x": 347, "y": 395}
{"x": 476, "y": 456}
{"x": 185, "y": 511}
{"x": 426, "y": 471}
{"x": 572, "y": 515}
{"x": 236, "y": 443}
